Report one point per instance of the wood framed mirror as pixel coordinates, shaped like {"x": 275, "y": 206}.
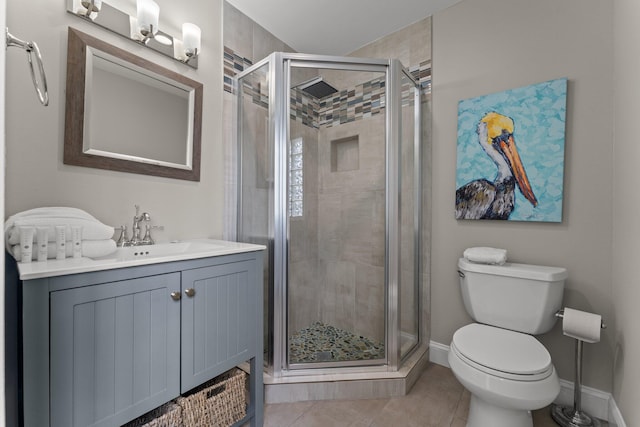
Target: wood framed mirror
{"x": 127, "y": 114}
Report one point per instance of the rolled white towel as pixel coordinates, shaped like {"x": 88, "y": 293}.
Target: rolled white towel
{"x": 92, "y": 229}
{"x": 486, "y": 255}
{"x": 90, "y": 249}
{"x": 53, "y": 211}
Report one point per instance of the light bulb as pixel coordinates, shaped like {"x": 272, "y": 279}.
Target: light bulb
{"x": 191, "y": 35}
{"x": 148, "y": 15}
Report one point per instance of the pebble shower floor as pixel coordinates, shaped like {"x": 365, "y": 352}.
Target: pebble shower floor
{"x": 326, "y": 343}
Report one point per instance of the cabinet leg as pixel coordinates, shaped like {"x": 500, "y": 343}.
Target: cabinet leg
{"x": 256, "y": 391}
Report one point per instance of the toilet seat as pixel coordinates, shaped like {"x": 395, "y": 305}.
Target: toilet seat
{"x": 502, "y": 353}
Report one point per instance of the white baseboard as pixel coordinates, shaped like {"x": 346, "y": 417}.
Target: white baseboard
{"x": 595, "y": 402}
{"x": 439, "y": 353}
{"x": 615, "y": 416}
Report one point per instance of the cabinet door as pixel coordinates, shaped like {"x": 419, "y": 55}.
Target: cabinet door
{"x": 114, "y": 350}
{"x": 218, "y": 320}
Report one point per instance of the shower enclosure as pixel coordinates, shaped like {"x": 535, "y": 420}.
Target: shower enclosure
{"x": 329, "y": 179}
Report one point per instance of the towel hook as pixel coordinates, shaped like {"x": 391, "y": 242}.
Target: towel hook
{"x": 32, "y": 49}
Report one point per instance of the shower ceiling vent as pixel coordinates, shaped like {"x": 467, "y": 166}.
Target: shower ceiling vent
{"x": 317, "y": 88}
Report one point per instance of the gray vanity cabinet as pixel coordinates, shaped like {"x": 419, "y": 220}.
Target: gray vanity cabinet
{"x": 115, "y": 350}
{"x": 102, "y": 348}
{"x": 217, "y": 321}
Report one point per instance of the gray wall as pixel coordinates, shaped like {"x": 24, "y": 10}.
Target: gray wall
{"x": 626, "y": 227}
{"x": 35, "y": 174}
{"x": 486, "y": 46}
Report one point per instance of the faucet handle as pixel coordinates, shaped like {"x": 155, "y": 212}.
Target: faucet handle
{"x": 123, "y": 240}
{"x": 147, "y": 240}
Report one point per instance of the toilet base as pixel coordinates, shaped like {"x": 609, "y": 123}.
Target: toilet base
{"x": 483, "y": 414}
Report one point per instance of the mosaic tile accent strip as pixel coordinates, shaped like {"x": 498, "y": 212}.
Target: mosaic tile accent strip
{"x": 363, "y": 101}
{"x": 422, "y": 73}
{"x": 233, "y": 64}
{"x": 304, "y": 108}
{"x": 325, "y": 343}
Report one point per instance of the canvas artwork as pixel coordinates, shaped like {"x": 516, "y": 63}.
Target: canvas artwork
{"x": 510, "y": 158}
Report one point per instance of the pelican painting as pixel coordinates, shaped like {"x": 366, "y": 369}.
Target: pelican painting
{"x": 497, "y": 179}
{"x": 483, "y": 199}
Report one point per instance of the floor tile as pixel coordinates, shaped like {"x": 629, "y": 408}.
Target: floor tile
{"x": 284, "y": 414}
{"x": 436, "y": 400}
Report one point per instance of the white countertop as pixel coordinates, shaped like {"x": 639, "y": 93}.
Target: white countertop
{"x": 135, "y": 256}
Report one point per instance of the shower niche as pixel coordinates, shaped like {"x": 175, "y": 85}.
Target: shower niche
{"x": 345, "y": 154}
{"x": 337, "y": 199}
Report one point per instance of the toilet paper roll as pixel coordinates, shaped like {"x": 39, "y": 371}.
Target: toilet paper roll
{"x": 581, "y": 325}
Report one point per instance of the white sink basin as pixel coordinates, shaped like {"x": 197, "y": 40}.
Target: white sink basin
{"x": 163, "y": 250}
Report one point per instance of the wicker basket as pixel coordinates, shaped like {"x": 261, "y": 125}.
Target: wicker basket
{"x": 167, "y": 415}
{"x": 220, "y": 402}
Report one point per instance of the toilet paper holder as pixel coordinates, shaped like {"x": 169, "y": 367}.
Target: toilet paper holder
{"x": 560, "y": 314}
{"x": 574, "y": 416}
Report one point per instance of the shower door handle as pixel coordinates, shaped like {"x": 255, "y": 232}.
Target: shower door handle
{"x": 190, "y": 292}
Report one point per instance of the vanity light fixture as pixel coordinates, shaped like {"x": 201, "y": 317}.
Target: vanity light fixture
{"x": 191, "y": 39}
{"x": 142, "y": 27}
{"x": 148, "y": 16}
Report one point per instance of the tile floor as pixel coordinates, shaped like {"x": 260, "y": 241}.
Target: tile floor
{"x": 436, "y": 400}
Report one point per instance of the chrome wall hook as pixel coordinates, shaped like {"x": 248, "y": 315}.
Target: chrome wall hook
{"x": 32, "y": 50}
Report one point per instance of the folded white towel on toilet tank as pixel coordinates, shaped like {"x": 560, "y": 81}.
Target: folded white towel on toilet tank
{"x": 486, "y": 255}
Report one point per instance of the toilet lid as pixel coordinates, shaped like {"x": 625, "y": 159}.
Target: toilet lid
{"x": 502, "y": 350}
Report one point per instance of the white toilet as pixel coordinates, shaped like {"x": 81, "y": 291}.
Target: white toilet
{"x": 507, "y": 371}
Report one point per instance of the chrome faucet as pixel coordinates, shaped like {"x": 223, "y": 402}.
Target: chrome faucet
{"x": 123, "y": 240}
{"x": 136, "y": 240}
{"x": 147, "y": 239}
{"x": 137, "y": 219}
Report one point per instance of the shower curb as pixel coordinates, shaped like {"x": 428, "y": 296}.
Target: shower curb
{"x": 356, "y": 385}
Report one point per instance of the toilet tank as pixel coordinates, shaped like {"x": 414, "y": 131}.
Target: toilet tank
{"x": 519, "y": 297}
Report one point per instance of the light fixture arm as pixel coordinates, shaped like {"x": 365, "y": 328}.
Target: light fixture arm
{"x": 90, "y": 6}
{"x": 189, "y": 56}
{"x": 147, "y": 35}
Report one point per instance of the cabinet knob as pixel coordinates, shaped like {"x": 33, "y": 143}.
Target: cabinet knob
{"x": 190, "y": 292}
{"x": 176, "y": 296}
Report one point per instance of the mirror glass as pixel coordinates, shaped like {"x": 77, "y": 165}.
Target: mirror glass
{"x": 133, "y": 115}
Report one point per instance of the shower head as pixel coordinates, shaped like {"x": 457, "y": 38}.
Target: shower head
{"x": 316, "y": 87}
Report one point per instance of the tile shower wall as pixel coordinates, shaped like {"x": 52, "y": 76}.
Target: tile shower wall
{"x": 337, "y": 246}
{"x": 412, "y": 46}
{"x": 351, "y": 226}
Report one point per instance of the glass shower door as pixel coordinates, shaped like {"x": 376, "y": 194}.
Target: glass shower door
{"x": 256, "y": 179}
{"x": 336, "y": 202}
{"x": 410, "y": 221}
{"x": 329, "y": 181}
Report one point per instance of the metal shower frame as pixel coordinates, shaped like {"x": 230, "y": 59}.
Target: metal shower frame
{"x": 279, "y": 78}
